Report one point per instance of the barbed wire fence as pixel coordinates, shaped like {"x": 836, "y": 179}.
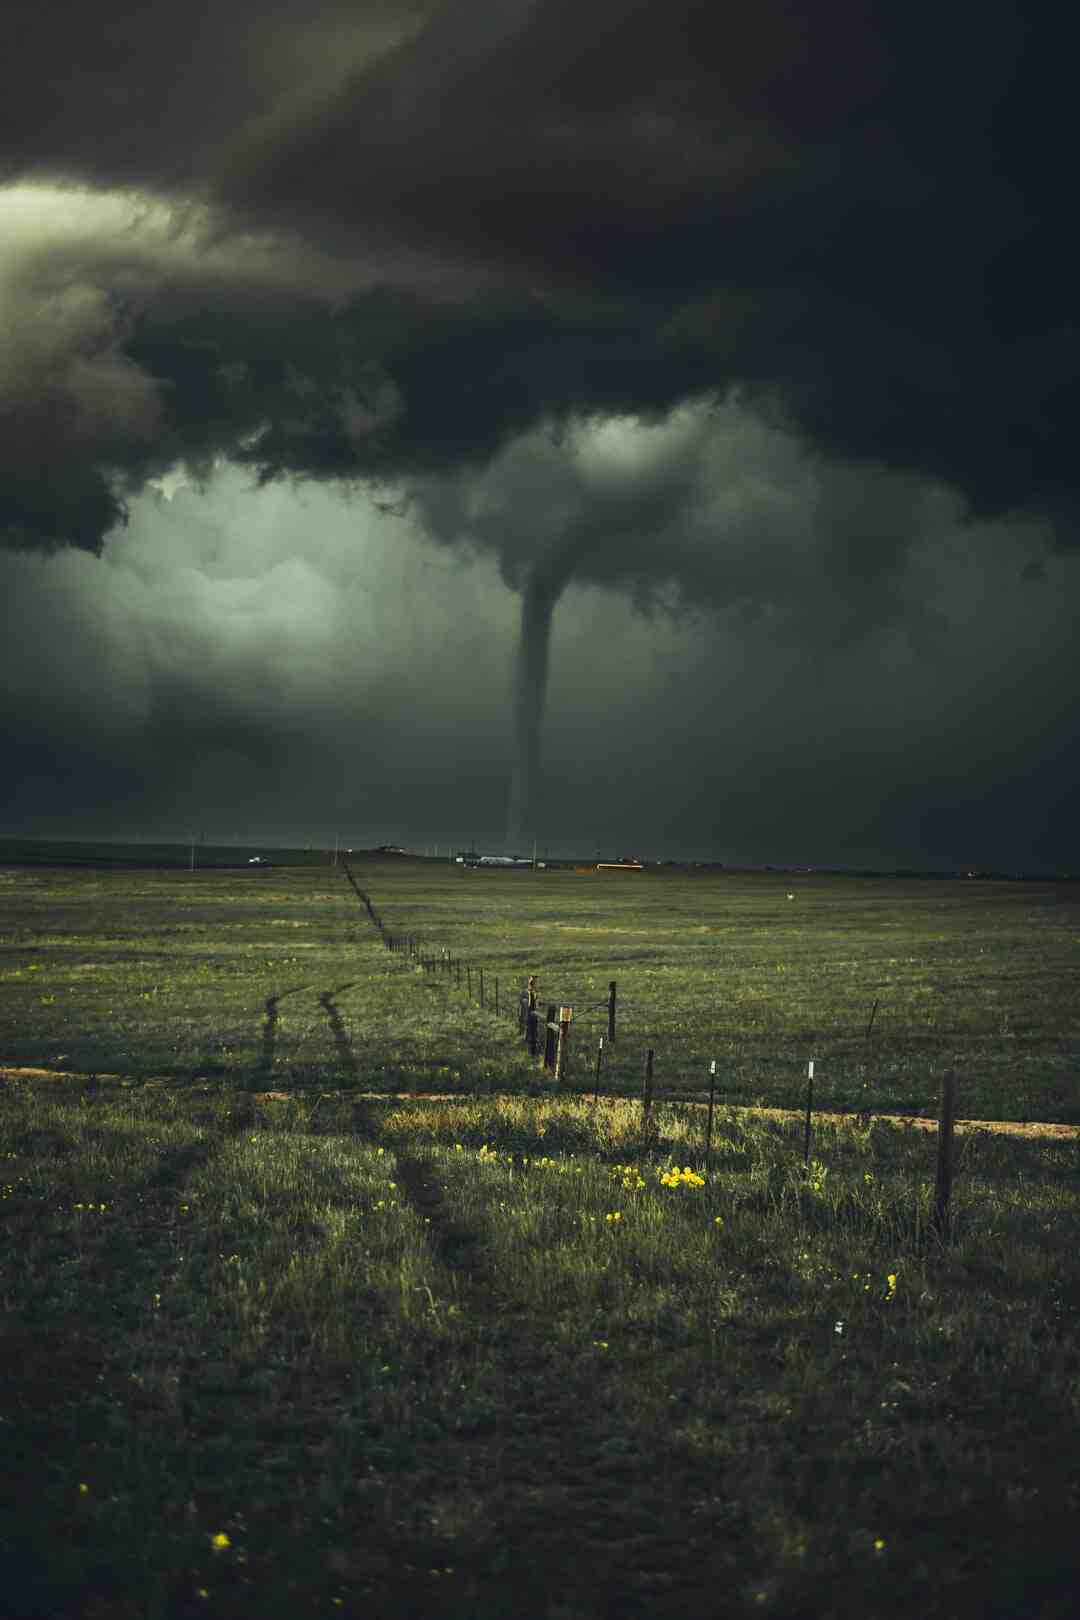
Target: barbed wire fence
{"x": 552, "y": 1026}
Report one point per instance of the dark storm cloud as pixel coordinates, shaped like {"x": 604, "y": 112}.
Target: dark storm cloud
{"x": 753, "y": 317}
{"x": 483, "y": 216}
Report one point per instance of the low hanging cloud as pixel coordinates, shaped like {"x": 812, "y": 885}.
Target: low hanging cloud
{"x": 380, "y": 239}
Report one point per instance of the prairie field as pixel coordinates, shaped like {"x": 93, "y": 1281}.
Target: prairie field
{"x": 320, "y": 1297}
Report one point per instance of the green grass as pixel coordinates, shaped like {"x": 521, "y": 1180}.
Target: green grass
{"x": 487, "y": 1356}
{"x": 220, "y": 974}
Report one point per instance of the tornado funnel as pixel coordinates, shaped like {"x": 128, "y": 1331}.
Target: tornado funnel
{"x": 542, "y": 591}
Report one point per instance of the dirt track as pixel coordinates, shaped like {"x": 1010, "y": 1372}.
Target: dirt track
{"x": 1041, "y": 1129}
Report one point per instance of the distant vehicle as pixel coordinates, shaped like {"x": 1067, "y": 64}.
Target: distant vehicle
{"x": 493, "y": 860}
{"x": 257, "y": 860}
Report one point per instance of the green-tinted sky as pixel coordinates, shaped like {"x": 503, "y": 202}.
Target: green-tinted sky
{"x": 752, "y": 326}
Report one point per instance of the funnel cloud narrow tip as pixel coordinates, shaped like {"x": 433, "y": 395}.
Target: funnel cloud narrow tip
{"x": 542, "y": 590}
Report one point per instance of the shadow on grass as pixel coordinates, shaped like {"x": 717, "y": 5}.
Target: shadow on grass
{"x": 269, "y": 1035}
{"x": 341, "y": 1039}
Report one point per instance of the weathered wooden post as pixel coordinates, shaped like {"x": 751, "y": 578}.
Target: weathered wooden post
{"x": 646, "y": 1087}
{"x": 939, "y": 1221}
{"x": 565, "y": 1015}
{"x": 809, "y": 1110}
{"x": 531, "y": 1019}
{"x": 611, "y": 1013}
{"x": 549, "y": 1037}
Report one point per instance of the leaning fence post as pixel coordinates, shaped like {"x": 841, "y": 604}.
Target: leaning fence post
{"x": 646, "y": 1087}
{"x": 809, "y": 1110}
{"x": 946, "y": 1118}
{"x": 611, "y": 1013}
{"x": 549, "y": 1037}
{"x": 565, "y": 1015}
{"x": 708, "y": 1127}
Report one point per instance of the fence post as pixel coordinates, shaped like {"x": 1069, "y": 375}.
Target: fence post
{"x": 611, "y": 1013}
{"x": 565, "y": 1015}
{"x": 946, "y": 1118}
{"x": 549, "y": 1038}
{"x": 708, "y": 1127}
{"x": 646, "y": 1088}
{"x": 809, "y": 1110}
{"x": 599, "y": 1058}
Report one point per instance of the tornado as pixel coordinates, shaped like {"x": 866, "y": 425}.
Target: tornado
{"x": 542, "y": 591}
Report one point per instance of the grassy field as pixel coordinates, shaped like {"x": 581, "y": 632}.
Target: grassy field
{"x": 276, "y": 1345}
{"x": 250, "y": 977}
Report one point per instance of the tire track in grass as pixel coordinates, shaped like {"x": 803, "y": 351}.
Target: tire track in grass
{"x": 553, "y": 1463}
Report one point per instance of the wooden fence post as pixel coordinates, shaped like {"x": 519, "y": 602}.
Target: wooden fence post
{"x": 611, "y": 1013}
{"x": 940, "y": 1219}
{"x": 646, "y": 1088}
{"x": 565, "y": 1015}
{"x": 549, "y": 1037}
{"x": 809, "y": 1110}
